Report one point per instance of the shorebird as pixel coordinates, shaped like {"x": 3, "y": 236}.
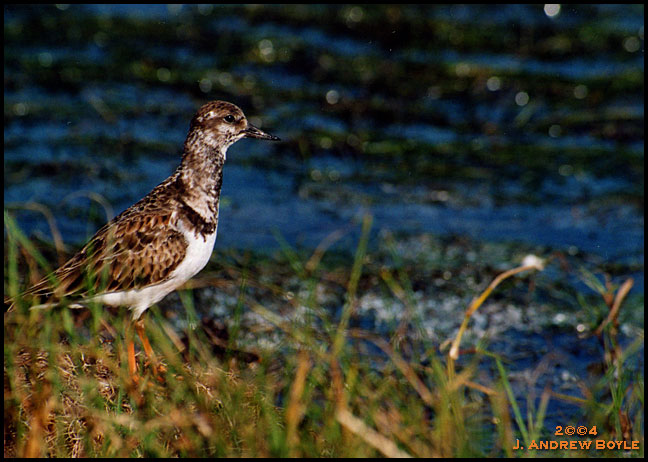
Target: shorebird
{"x": 160, "y": 242}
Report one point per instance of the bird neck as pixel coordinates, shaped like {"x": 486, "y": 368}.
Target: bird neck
{"x": 201, "y": 173}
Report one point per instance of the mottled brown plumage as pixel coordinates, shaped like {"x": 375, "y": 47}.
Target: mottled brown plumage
{"x": 139, "y": 247}
{"x": 161, "y": 241}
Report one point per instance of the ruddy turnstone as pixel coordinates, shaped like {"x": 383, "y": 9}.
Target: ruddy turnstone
{"x": 159, "y": 243}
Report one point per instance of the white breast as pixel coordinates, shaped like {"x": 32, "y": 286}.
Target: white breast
{"x": 199, "y": 249}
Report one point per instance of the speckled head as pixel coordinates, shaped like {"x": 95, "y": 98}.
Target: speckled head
{"x": 222, "y": 124}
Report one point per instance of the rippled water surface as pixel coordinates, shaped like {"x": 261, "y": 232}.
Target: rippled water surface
{"x": 499, "y": 124}
{"x": 525, "y": 128}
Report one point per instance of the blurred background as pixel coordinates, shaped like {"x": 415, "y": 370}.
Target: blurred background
{"x": 472, "y": 135}
{"x": 510, "y": 123}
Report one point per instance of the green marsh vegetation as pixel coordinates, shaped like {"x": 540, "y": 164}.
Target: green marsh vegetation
{"x": 323, "y": 385}
{"x": 443, "y": 121}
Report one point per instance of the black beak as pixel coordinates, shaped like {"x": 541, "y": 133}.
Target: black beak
{"x": 252, "y": 132}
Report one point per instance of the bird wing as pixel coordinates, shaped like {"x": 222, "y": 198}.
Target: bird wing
{"x": 133, "y": 251}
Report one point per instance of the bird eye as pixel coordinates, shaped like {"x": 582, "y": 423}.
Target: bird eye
{"x": 229, "y": 118}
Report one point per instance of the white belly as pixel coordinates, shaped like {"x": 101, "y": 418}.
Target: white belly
{"x": 199, "y": 250}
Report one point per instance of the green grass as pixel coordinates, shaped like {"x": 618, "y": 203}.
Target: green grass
{"x": 325, "y": 387}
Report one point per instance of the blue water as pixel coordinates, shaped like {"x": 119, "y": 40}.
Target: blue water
{"x": 497, "y": 124}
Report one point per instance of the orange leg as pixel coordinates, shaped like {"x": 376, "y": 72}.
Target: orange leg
{"x": 132, "y": 363}
{"x": 139, "y": 327}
